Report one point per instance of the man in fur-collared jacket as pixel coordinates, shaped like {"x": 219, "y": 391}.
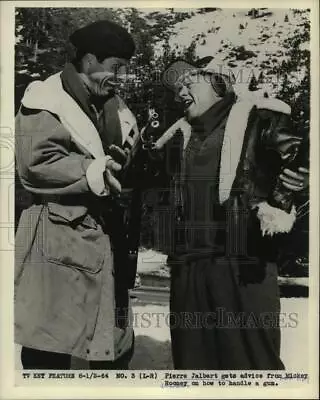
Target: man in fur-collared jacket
{"x": 233, "y": 193}
{"x": 72, "y": 277}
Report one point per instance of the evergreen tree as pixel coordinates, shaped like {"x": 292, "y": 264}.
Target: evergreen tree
{"x": 253, "y": 85}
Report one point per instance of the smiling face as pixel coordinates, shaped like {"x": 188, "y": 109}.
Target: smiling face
{"x": 196, "y": 94}
{"x": 102, "y": 77}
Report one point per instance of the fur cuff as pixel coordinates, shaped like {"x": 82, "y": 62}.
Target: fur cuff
{"x": 274, "y": 220}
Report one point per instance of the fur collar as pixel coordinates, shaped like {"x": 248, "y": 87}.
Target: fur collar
{"x": 50, "y": 95}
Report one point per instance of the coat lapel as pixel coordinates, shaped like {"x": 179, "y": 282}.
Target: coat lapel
{"x": 69, "y": 112}
{"x": 76, "y": 121}
{"x": 232, "y": 146}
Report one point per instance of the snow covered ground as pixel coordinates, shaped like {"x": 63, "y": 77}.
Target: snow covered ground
{"x": 152, "y": 345}
{"x": 153, "y": 342}
{"x": 150, "y": 261}
{"x": 152, "y": 349}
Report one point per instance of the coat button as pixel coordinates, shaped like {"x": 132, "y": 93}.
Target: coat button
{"x": 107, "y": 352}
{"x": 88, "y": 351}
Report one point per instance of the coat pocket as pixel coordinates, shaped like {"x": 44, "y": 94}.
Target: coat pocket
{"x": 73, "y": 238}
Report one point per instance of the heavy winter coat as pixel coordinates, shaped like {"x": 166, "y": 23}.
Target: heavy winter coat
{"x": 70, "y": 277}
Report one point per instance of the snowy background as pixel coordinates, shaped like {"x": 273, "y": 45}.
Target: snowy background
{"x": 266, "y": 49}
{"x": 269, "y": 46}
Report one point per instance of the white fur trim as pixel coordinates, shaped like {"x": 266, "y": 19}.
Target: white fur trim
{"x": 49, "y": 95}
{"x": 234, "y": 135}
{"x": 257, "y": 97}
{"x": 274, "y": 220}
{"x": 232, "y": 146}
{"x": 273, "y": 104}
{"x": 181, "y": 124}
{"x": 94, "y": 176}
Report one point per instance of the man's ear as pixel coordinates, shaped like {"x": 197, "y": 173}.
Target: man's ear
{"x": 89, "y": 60}
{"x": 92, "y": 59}
{"x": 218, "y": 84}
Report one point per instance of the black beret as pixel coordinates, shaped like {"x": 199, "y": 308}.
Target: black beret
{"x": 104, "y": 39}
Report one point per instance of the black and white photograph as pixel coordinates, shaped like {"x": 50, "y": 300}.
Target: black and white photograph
{"x": 161, "y": 207}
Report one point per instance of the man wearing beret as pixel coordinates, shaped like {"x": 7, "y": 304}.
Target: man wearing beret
{"x": 71, "y": 275}
{"x": 233, "y": 194}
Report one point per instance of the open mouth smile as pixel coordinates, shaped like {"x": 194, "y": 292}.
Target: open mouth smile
{"x": 187, "y": 103}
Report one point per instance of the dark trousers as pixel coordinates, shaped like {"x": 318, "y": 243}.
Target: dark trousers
{"x": 39, "y": 359}
{"x": 225, "y": 315}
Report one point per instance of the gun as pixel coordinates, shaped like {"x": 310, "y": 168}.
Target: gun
{"x": 140, "y": 152}
{"x": 128, "y": 206}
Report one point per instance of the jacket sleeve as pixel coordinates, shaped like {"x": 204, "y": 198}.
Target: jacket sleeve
{"x": 280, "y": 138}
{"x": 46, "y": 159}
{"x": 279, "y": 135}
